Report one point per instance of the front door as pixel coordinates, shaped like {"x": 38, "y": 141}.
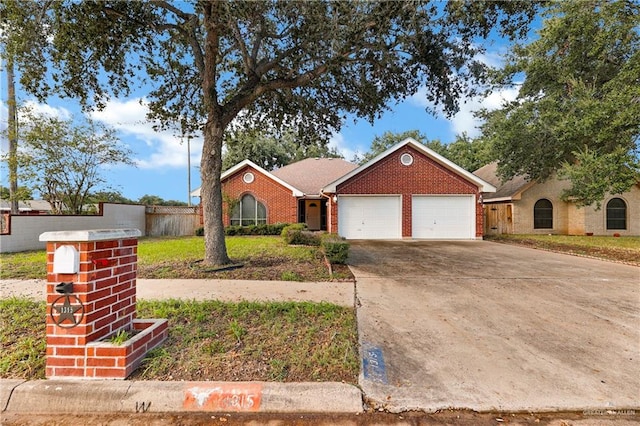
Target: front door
{"x": 312, "y": 214}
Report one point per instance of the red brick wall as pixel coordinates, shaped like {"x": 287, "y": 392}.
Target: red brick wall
{"x": 281, "y": 205}
{"x": 105, "y": 286}
{"x": 424, "y": 177}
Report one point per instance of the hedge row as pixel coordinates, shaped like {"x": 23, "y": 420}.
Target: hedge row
{"x": 262, "y": 229}
{"x": 335, "y": 247}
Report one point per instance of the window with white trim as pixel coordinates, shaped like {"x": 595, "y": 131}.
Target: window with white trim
{"x": 248, "y": 211}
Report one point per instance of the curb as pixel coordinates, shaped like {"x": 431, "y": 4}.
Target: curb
{"x": 109, "y": 396}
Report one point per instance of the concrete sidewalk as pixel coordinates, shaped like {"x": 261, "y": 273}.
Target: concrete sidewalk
{"x": 339, "y": 293}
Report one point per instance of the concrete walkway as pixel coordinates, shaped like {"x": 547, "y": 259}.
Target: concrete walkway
{"x": 339, "y": 293}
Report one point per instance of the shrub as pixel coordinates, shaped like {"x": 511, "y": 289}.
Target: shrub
{"x": 293, "y": 226}
{"x": 335, "y": 248}
{"x": 200, "y": 232}
{"x": 298, "y": 234}
{"x": 262, "y": 229}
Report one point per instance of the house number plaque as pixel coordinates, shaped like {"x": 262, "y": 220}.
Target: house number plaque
{"x": 67, "y": 313}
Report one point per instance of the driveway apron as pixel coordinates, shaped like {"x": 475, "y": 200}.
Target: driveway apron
{"x": 486, "y": 326}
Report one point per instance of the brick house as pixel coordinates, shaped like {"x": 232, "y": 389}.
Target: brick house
{"x": 408, "y": 191}
{"x": 520, "y": 206}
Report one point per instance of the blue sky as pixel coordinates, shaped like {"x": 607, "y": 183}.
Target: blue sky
{"x": 161, "y": 157}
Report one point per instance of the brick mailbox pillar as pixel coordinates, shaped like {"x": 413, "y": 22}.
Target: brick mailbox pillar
{"x": 91, "y": 296}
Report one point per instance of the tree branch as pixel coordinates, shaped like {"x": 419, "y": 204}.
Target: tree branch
{"x": 246, "y": 59}
{"x": 252, "y": 92}
{"x": 171, "y": 8}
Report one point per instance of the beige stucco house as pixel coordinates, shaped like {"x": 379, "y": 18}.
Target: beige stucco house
{"x": 520, "y": 206}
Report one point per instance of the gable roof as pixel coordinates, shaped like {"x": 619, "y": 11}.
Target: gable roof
{"x": 312, "y": 174}
{"x": 294, "y": 191}
{"x": 506, "y": 191}
{"x": 482, "y": 185}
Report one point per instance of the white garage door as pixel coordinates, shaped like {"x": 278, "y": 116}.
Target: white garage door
{"x": 443, "y": 217}
{"x": 369, "y": 217}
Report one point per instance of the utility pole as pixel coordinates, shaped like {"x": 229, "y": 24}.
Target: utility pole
{"x": 189, "y": 169}
{"x": 12, "y": 131}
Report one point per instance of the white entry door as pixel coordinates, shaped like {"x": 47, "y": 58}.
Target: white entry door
{"x": 369, "y": 217}
{"x": 443, "y": 217}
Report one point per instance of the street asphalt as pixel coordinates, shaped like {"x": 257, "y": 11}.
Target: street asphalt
{"x": 465, "y": 325}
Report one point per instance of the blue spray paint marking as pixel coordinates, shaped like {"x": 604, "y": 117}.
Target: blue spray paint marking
{"x": 373, "y": 364}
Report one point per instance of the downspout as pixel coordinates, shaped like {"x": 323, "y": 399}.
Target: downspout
{"x": 329, "y": 215}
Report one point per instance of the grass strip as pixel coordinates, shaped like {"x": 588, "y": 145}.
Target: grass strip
{"x": 211, "y": 340}
{"x": 622, "y": 249}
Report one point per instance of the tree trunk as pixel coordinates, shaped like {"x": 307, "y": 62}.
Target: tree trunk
{"x": 211, "y": 195}
{"x": 12, "y": 123}
{"x": 215, "y": 248}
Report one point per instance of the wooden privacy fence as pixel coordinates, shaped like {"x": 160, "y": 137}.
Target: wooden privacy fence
{"x": 172, "y": 220}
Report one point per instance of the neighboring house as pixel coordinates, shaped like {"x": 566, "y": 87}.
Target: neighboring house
{"x": 520, "y": 206}
{"x": 408, "y": 191}
{"x": 29, "y": 207}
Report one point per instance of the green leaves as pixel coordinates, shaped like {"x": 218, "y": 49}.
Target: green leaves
{"x": 467, "y": 153}
{"x": 275, "y": 64}
{"x": 593, "y": 176}
{"x": 580, "y": 100}
{"x": 271, "y": 150}
{"x": 65, "y": 161}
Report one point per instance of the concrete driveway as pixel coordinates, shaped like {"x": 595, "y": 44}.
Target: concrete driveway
{"x": 486, "y": 326}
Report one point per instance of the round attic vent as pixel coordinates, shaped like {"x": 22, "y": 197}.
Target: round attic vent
{"x": 248, "y": 177}
{"x": 406, "y": 159}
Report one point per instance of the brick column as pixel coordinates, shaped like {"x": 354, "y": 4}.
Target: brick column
{"x": 101, "y": 302}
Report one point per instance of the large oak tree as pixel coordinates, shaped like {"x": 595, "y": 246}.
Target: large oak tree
{"x": 293, "y": 63}
{"x": 578, "y": 108}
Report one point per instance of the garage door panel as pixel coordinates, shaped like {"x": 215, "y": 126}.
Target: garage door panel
{"x": 369, "y": 217}
{"x": 443, "y": 217}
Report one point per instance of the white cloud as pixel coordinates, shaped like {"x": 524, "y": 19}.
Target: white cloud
{"x": 338, "y": 141}
{"x": 464, "y": 121}
{"x": 46, "y": 109}
{"x": 160, "y": 148}
{"x": 4, "y": 142}
{"x": 33, "y": 106}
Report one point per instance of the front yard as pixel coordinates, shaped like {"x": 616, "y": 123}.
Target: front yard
{"x": 620, "y": 249}
{"x": 263, "y": 258}
{"x": 209, "y": 340}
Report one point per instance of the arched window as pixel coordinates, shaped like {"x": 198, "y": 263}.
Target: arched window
{"x": 616, "y": 214}
{"x": 249, "y": 211}
{"x": 543, "y": 214}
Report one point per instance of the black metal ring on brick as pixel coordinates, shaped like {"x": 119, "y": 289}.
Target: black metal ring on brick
{"x": 67, "y": 311}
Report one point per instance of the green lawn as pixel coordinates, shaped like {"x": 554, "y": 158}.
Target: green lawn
{"x": 211, "y": 340}
{"x": 264, "y": 257}
{"x": 625, "y": 249}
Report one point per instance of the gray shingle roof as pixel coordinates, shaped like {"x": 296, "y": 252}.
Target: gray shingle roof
{"x": 28, "y": 205}
{"x": 312, "y": 174}
{"x": 504, "y": 190}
